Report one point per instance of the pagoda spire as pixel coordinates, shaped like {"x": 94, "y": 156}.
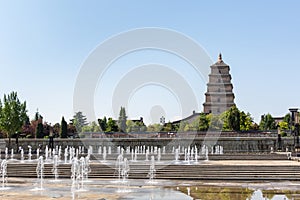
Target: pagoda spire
{"x": 220, "y": 58}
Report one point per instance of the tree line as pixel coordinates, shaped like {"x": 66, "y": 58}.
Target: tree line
{"x": 14, "y": 122}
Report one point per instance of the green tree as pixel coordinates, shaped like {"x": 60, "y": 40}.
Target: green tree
{"x": 233, "y": 118}
{"x": 182, "y": 126}
{"x": 13, "y": 114}
{"x": 27, "y": 121}
{"x": 39, "y": 130}
{"x": 267, "y": 122}
{"x": 93, "y": 127}
{"x": 79, "y": 120}
{"x": 194, "y": 126}
{"x": 287, "y": 119}
{"x": 154, "y": 127}
{"x": 63, "y": 128}
{"x": 122, "y": 120}
{"x": 137, "y": 126}
{"x": 56, "y": 129}
{"x": 168, "y": 127}
{"x": 103, "y": 124}
{"x": 284, "y": 128}
{"x": 187, "y": 127}
{"x": 131, "y": 126}
{"x": 203, "y": 122}
{"x": 141, "y": 126}
{"x": 246, "y": 121}
{"x": 215, "y": 122}
{"x": 112, "y": 126}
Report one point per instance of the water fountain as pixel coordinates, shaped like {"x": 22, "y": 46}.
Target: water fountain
{"x": 77, "y": 153}
{"x": 40, "y": 172}
{"x": 70, "y": 154}
{"x": 109, "y": 150}
{"x": 22, "y": 155}
{"x": 118, "y": 150}
{"x": 66, "y": 155}
{"x": 87, "y": 169}
{"x": 221, "y": 150}
{"x": 90, "y": 151}
{"x": 123, "y": 173}
{"x": 159, "y": 155}
{"x": 37, "y": 153}
{"x": 185, "y": 155}
{"x": 188, "y": 191}
{"x": 132, "y": 155}
{"x": 12, "y": 154}
{"x": 81, "y": 172}
{"x": 6, "y": 153}
{"x": 119, "y": 163}
{"x": 59, "y": 153}
{"x": 125, "y": 170}
{"x": 128, "y": 150}
{"x": 144, "y": 149}
{"x": 46, "y": 153}
{"x": 75, "y": 173}
{"x": 55, "y": 168}
{"x": 206, "y": 154}
{"x": 152, "y": 171}
{"x": 196, "y": 154}
{"x": 147, "y": 155}
{"x": 188, "y": 156}
{"x": 135, "y": 155}
{"x": 99, "y": 150}
{"x": 3, "y": 174}
{"x": 176, "y": 155}
{"x": 29, "y": 153}
{"x": 104, "y": 154}
{"x": 192, "y": 154}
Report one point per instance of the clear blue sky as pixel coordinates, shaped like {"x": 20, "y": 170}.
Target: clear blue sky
{"x": 44, "y": 43}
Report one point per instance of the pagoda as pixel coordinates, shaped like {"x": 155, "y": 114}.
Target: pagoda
{"x": 219, "y": 96}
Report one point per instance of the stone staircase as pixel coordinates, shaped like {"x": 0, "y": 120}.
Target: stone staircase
{"x": 175, "y": 172}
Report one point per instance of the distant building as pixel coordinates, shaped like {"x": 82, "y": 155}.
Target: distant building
{"x": 278, "y": 120}
{"x": 188, "y": 119}
{"x": 219, "y": 96}
{"x": 141, "y": 120}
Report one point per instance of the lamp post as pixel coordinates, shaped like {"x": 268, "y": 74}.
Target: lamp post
{"x": 294, "y": 123}
{"x": 297, "y": 146}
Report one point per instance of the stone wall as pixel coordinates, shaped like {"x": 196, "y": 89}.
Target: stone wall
{"x": 230, "y": 144}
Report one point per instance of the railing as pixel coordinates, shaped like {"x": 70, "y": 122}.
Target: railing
{"x": 190, "y": 134}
